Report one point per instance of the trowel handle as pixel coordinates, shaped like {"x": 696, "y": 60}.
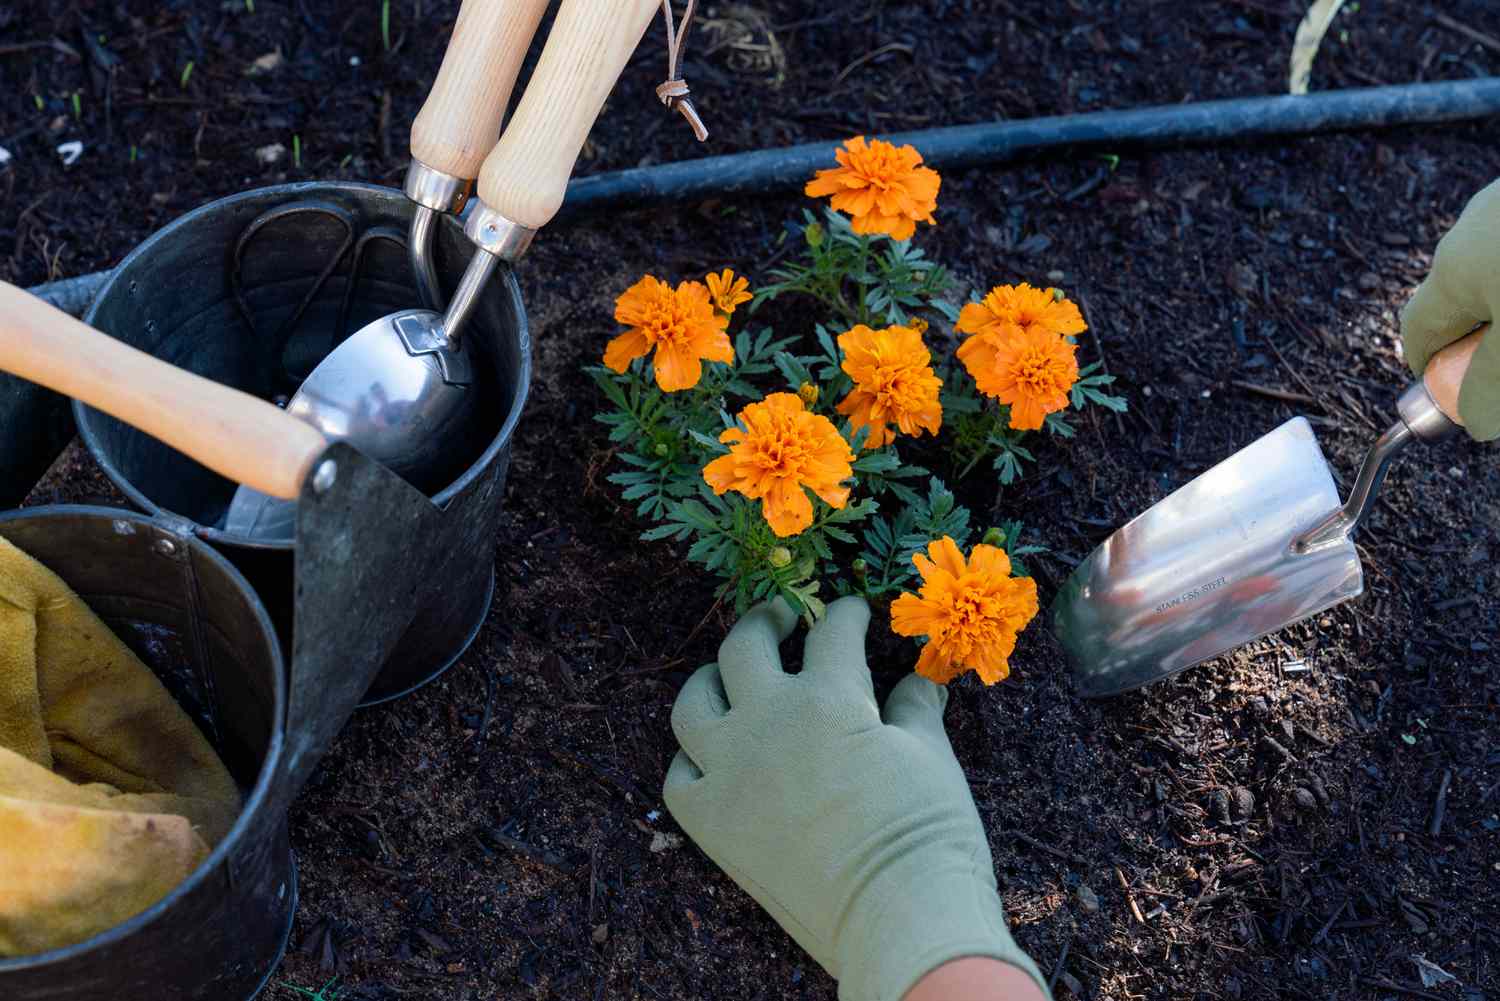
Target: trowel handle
{"x": 526, "y": 176}
{"x": 1445, "y": 371}
{"x": 230, "y": 432}
{"x": 459, "y": 123}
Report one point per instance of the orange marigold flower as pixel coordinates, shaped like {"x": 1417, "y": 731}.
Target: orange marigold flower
{"x": 1021, "y": 306}
{"x": 680, "y": 325}
{"x": 728, "y": 291}
{"x": 1018, "y": 351}
{"x": 970, "y": 612}
{"x": 883, "y": 189}
{"x": 783, "y": 452}
{"x": 893, "y": 383}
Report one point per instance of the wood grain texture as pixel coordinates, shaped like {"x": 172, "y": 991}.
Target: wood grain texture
{"x": 526, "y": 176}
{"x": 233, "y": 433}
{"x": 1445, "y": 371}
{"x": 460, "y": 121}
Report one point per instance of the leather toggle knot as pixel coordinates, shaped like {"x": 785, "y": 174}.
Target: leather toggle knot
{"x": 674, "y": 93}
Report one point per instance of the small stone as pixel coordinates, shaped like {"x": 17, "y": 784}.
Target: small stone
{"x": 663, "y": 842}
{"x": 267, "y": 63}
{"x": 1241, "y": 802}
{"x": 1395, "y": 239}
{"x": 267, "y": 155}
{"x": 1056, "y": 276}
{"x": 1305, "y": 799}
{"x": 1088, "y": 900}
{"x": 601, "y": 934}
{"x": 1242, "y": 278}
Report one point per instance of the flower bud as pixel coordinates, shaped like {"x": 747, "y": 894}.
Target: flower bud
{"x": 861, "y": 570}
{"x": 779, "y": 557}
{"x": 662, "y": 450}
{"x": 1058, "y": 295}
{"x": 814, "y": 234}
{"x": 807, "y": 393}
{"x": 918, "y": 324}
{"x": 994, "y": 537}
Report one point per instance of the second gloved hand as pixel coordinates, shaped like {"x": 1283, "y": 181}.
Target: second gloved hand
{"x": 854, "y": 828}
{"x": 1462, "y": 291}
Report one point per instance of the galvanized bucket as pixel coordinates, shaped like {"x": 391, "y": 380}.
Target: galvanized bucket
{"x": 252, "y": 291}
{"x": 195, "y": 621}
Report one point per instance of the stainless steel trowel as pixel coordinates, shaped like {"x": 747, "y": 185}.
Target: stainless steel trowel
{"x": 1258, "y": 542}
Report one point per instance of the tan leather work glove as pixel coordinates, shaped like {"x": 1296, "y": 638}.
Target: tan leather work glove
{"x": 1461, "y": 292}
{"x": 854, "y": 828}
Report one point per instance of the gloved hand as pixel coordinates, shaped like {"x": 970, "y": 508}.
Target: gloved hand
{"x": 1461, "y": 291}
{"x": 855, "y": 830}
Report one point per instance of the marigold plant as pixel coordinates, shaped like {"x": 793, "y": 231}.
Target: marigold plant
{"x": 893, "y": 384}
{"x": 778, "y": 452}
{"x": 884, "y": 189}
{"x": 680, "y": 325}
{"x": 971, "y": 611}
{"x": 817, "y": 461}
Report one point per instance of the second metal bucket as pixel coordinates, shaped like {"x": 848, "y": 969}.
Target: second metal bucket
{"x": 195, "y": 621}
{"x": 252, "y": 291}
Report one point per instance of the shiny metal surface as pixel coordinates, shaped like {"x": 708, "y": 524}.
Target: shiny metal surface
{"x": 434, "y": 192}
{"x": 493, "y": 233}
{"x": 395, "y": 390}
{"x": 470, "y": 288}
{"x": 1421, "y": 419}
{"x": 1207, "y": 569}
{"x": 1420, "y": 412}
{"x": 1341, "y": 524}
{"x": 419, "y": 252}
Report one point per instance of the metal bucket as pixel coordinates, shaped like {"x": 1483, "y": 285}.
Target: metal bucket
{"x": 195, "y": 621}
{"x": 252, "y": 291}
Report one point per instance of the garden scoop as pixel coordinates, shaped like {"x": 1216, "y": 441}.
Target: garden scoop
{"x": 400, "y": 387}
{"x": 1256, "y": 543}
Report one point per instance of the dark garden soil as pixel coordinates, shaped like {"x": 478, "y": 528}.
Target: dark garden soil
{"x": 1296, "y": 820}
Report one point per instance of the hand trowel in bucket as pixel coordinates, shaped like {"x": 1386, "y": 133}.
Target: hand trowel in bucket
{"x": 1254, "y": 544}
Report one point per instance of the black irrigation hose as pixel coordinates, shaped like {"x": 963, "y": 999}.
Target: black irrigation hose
{"x": 992, "y": 142}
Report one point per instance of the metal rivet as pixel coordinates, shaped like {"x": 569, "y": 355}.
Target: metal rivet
{"x": 324, "y": 478}
{"x": 166, "y": 547}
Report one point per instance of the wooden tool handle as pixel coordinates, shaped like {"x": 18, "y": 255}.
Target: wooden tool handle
{"x": 526, "y": 176}
{"x": 230, "y": 432}
{"x": 1445, "y": 373}
{"x": 460, "y": 121}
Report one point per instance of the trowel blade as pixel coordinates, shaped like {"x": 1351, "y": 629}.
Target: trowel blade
{"x": 261, "y": 516}
{"x": 1208, "y": 569}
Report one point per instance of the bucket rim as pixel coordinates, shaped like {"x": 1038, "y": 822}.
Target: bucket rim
{"x": 259, "y": 793}
{"x": 297, "y": 189}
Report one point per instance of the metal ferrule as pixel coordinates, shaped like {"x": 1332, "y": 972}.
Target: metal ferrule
{"x": 1421, "y": 420}
{"x": 494, "y": 234}
{"x": 436, "y": 190}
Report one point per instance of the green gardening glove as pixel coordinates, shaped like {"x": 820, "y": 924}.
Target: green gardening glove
{"x": 1461, "y": 292}
{"x": 854, "y": 829}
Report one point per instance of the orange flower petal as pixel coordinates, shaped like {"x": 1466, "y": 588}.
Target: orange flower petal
{"x": 622, "y": 350}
